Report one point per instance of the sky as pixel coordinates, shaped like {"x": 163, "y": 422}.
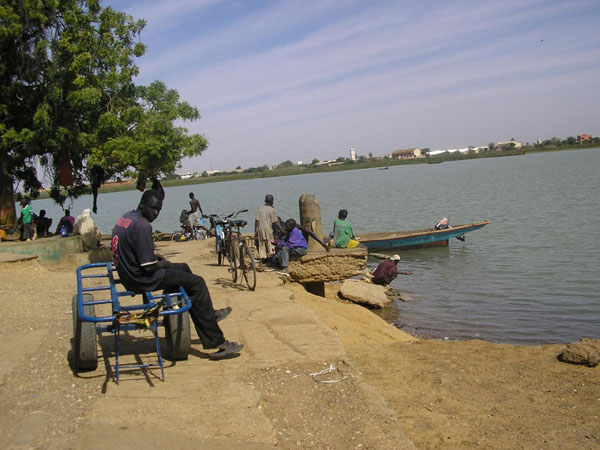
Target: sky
{"x": 299, "y": 80}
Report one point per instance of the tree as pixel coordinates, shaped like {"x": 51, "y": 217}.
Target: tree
{"x": 315, "y": 161}
{"x": 287, "y": 163}
{"x": 370, "y": 155}
{"x": 70, "y": 113}
{"x": 571, "y": 140}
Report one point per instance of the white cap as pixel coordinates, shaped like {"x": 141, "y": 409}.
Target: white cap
{"x": 395, "y": 258}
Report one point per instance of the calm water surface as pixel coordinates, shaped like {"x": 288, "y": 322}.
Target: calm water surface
{"x": 531, "y": 276}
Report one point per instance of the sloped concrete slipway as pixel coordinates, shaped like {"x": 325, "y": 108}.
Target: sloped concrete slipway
{"x": 266, "y": 398}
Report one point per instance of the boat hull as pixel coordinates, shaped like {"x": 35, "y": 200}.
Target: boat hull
{"x": 405, "y": 240}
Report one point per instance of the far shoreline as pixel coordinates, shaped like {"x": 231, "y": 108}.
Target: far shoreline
{"x": 308, "y": 169}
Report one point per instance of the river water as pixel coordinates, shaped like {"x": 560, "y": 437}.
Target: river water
{"x": 531, "y": 276}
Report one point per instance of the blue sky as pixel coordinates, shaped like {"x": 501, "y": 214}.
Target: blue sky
{"x": 297, "y": 80}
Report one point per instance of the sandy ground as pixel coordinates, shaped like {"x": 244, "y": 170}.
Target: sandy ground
{"x": 396, "y": 392}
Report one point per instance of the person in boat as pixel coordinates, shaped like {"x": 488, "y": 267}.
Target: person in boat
{"x": 141, "y": 270}
{"x": 387, "y": 271}
{"x": 293, "y": 243}
{"x": 343, "y": 234}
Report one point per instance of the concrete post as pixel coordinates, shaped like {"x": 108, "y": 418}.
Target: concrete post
{"x": 310, "y": 217}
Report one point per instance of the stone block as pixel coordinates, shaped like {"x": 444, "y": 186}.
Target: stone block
{"x": 320, "y": 265}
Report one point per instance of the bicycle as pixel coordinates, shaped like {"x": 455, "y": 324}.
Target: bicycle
{"x": 232, "y": 245}
{"x": 188, "y": 233}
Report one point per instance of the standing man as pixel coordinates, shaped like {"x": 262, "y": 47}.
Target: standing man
{"x": 265, "y": 220}
{"x": 194, "y": 207}
{"x": 141, "y": 270}
{"x": 26, "y": 228}
{"x": 387, "y": 271}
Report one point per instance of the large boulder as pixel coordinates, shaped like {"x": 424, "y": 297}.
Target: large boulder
{"x": 365, "y": 293}
{"x": 585, "y": 352}
{"x": 319, "y": 266}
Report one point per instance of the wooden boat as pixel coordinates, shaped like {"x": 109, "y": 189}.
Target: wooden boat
{"x": 429, "y": 237}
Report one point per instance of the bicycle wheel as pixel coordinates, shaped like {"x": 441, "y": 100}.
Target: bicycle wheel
{"x": 233, "y": 259}
{"x": 177, "y": 237}
{"x": 248, "y": 266}
{"x": 219, "y": 247}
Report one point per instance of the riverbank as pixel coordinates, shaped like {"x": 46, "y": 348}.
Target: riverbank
{"x": 397, "y": 390}
{"x": 347, "y": 165}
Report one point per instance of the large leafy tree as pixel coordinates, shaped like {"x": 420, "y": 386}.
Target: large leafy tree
{"x": 70, "y": 113}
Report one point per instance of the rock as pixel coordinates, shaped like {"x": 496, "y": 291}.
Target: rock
{"x": 585, "y": 352}
{"x": 364, "y": 293}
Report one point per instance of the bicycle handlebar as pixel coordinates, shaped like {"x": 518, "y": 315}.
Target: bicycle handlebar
{"x": 228, "y": 218}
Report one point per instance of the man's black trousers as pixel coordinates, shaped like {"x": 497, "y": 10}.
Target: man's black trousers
{"x": 202, "y": 311}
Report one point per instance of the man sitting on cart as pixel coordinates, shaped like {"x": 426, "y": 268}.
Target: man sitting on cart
{"x": 141, "y": 270}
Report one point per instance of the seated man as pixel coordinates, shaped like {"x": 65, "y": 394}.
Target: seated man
{"x": 43, "y": 224}
{"x": 387, "y": 271}
{"x": 343, "y": 232}
{"x": 293, "y": 243}
{"x": 67, "y": 220}
{"x": 141, "y": 270}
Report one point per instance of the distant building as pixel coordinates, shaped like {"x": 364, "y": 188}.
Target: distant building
{"x": 353, "y": 154}
{"x": 185, "y": 176}
{"x": 407, "y": 153}
{"x": 331, "y": 162}
{"x": 583, "y": 137}
{"x": 212, "y": 172}
{"x": 509, "y": 144}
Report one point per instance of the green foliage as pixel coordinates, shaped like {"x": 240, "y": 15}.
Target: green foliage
{"x": 67, "y": 96}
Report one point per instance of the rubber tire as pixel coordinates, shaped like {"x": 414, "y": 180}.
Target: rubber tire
{"x": 176, "y": 237}
{"x": 248, "y": 266}
{"x": 85, "y": 337}
{"x": 233, "y": 260}
{"x": 178, "y": 336}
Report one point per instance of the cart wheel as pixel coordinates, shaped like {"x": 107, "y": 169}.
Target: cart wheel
{"x": 177, "y": 332}
{"x": 85, "y": 343}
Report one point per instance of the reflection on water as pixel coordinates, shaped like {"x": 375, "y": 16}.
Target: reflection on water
{"x": 530, "y": 276}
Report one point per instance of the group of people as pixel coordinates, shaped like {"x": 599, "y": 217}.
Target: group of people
{"x": 33, "y": 224}
{"x": 141, "y": 269}
{"x": 277, "y": 242}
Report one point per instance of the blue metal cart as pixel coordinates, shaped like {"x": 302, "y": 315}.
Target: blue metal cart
{"x": 168, "y": 309}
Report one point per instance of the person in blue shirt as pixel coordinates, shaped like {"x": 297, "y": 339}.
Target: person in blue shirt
{"x": 293, "y": 243}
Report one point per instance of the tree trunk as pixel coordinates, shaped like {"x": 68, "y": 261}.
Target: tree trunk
{"x": 8, "y": 214}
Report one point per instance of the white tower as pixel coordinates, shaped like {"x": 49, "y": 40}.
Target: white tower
{"x": 353, "y": 154}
